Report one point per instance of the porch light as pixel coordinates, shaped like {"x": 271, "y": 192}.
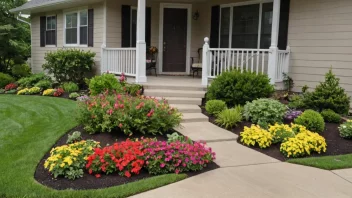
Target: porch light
{"x": 196, "y": 15}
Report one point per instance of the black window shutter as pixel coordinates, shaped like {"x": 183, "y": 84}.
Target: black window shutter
{"x": 42, "y": 30}
{"x": 283, "y": 28}
{"x": 126, "y": 26}
{"x": 148, "y": 26}
{"x": 55, "y": 30}
{"x": 214, "y": 27}
{"x": 90, "y": 28}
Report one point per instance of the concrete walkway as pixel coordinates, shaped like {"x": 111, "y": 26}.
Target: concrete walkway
{"x": 246, "y": 173}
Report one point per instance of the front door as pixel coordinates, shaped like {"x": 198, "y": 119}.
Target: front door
{"x": 175, "y": 40}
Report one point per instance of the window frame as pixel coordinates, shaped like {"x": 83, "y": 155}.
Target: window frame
{"x": 46, "y": 29}
{"x": 78, "y": 12}
{"x": 231, "y": 6}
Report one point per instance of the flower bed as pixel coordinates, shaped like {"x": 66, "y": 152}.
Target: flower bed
{"x": 132, "y": 160}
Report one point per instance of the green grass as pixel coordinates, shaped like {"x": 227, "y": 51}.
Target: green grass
{"x": 326, "y": 162}
{"x": 29, "y": 126}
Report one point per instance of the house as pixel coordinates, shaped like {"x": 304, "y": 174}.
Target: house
{"x": 302, "y": 37}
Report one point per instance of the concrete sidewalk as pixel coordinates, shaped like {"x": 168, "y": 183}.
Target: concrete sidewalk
{"x": 246, "y": 173}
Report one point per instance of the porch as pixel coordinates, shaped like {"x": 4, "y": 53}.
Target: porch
{"x": 248, "y": 42}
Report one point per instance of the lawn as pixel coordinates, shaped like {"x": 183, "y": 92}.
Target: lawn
{"x": 30, "y": 125}
{"x": 326, "y": 162}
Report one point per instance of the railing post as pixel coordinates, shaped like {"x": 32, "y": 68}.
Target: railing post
{"x": 287, "y": 60}
{"x": 205, "y": 63}
{"x": 103, "y": 67}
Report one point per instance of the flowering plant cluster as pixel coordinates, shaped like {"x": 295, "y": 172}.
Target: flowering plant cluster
{"x": 281, "y": 132}
{"x": 105, "y": 112}
{"x": 126, "y": 158}
{"x": 27, "y": 91}
{"x": 162, "y": 157}
{"x": 292, "y": 114}
{"x": 82, "y": 98}
{"x": 255, "y": 135}
{"x": 49, "y": 92}
{"x": 153, "y": 50}
{"x": 10, "y": 86}
{"x": 303, "y": 144}
{"x": 346, "y": 129}
{"x": 58, "y": 92}
{"x": 69, "y": 160}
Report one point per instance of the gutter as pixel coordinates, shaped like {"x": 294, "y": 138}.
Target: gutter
{"x": 23, "y": 21}
{"x": 52, "y": 3}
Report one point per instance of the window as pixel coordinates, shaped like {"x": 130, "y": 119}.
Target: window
{"x": 76, "y": 28}
{"x": 50, "y": 31}
{"x": 246, "y": 26}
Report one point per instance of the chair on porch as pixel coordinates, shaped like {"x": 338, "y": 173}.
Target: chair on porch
{"x": 151, "y": 62}
{"x": 196, "y": 62}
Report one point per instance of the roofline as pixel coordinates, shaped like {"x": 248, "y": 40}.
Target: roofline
{"x": 19, "y": 9}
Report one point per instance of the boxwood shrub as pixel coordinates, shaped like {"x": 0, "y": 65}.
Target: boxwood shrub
{"x": 213, "y": 107}
{"x": 5, "y": 79}
{"x": 312, "y": 120}
{"x": 330, "y": 116}
{"x": 236, "y": 87}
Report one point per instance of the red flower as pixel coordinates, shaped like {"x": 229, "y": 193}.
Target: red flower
{"x": 120, "y": 125}
{"x": 97, "y": 175}
{"x": 127, "y": 174}
{"x": 90, "y": 171}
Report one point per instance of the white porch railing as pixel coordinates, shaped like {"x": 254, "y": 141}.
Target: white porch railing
{"x": 221, "y": 60}
{"x": 283, "y": 62}
{"x": 218, "y": 60}
{"x": 119, "y": 60}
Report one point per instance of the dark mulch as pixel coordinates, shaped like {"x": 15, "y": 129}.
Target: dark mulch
{"x": 336, "y": 144}
{"x": 90, "y": 181}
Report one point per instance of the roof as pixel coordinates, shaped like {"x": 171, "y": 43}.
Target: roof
{"x": 35, "y": 4}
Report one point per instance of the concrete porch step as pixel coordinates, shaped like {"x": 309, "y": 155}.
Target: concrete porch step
{"x": 194, "y": 117}
{"x": 174, "y": 87}
{"x": 182, "y": 100}
{"x": 174, "y": 93}
{"x": 184, "y": 108}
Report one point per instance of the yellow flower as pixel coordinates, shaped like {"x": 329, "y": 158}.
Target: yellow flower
{"x": 62, "y": 165}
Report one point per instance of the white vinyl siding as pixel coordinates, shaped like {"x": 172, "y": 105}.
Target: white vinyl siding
{"x": 320, "y": 37}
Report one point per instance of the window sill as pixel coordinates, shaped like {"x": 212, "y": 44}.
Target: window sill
{"x": 69, "y": 45}
{"x": 51, "y": 46}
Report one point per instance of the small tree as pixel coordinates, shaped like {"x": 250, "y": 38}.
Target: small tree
{"x": 329, "y": 95}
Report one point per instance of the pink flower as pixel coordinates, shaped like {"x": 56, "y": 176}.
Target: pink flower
{"x": 177, "y": 171}
{"x": 162, "y": 165}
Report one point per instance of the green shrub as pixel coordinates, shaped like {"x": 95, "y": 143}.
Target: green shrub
{"x": 281, "y": 132}
{"x": 133, "y": 89}
{"x": 44, "y": 84}
{"x": 213, "y": 107}
{"x": 296, "y": 102}
{"x": 346, "y": 130}
{"x": 236, "y": 87}
{"x": 264, "y": 111}
{"x": 74, "y": 95}
{"x": 31, "y": 80}
{"x": 69, "y": 65}
{"x": 70, "y": 87}
{"x": 330, "y": 116}
{"x": 175, "y": 137}
{"x": 74, "y": 137}
{"x": 5, "y": 79}
{"x": 20, "y": 71}
{"x": 104, "y": 82}
{"x": 329, "y": 95}
{"x": 229, "y": 118}
{"x": 2, "y": 91}
{"x": 312, "y": 120}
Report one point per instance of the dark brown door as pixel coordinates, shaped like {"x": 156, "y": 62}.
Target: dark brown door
{"x": 175, "y": 40}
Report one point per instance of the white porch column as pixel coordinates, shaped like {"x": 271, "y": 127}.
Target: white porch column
{"x": 205, "y": 62}
{"x": 272, "y": 65}
{"x": 141, "y": 45}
